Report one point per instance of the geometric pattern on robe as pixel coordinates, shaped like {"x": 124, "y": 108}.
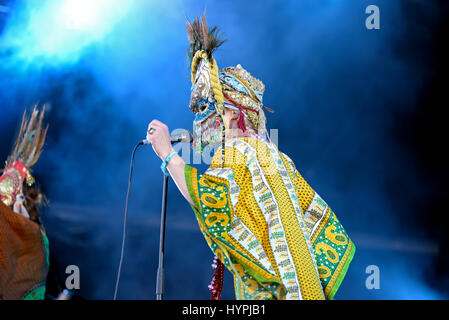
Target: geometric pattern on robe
{"x": 271, "y": 230}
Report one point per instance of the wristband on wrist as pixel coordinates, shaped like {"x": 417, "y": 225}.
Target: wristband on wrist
{"x": 165, "y": 163}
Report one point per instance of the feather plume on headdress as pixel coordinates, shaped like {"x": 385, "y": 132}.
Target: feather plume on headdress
{"x": 201, "y": 38}
{"x": 31, "y": 139}
{"x": 25, "y": 200}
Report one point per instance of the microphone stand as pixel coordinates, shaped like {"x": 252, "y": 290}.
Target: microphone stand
{"x": 186, "y": 137}
{"x": 160, "y": 268}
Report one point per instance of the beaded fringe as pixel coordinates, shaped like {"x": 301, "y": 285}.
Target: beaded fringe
{"x": 216, "y": 285}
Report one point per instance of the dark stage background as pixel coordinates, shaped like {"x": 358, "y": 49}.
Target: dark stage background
{"x": 359, "y": 111}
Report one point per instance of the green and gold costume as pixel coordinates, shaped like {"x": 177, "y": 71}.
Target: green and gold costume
{"x": 259, "y": 216}
{"x": 274, "y": 233}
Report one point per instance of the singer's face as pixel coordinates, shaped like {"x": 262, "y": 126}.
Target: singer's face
{"x": 230, "y": 118}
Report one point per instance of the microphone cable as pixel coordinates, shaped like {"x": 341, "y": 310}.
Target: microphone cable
{"x": 124, "y": 219}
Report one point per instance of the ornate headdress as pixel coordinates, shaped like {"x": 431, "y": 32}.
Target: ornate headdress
{"x": 212, "y": 90}
{"x": 206, "y": 99}
{"x": 26, "y": 152}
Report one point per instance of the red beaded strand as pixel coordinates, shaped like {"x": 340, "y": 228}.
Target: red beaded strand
{"x": 216, "y": 285}
{"x": 241, "y": 120}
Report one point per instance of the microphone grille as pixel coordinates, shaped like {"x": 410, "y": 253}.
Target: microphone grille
{"x": 184, "y": 136}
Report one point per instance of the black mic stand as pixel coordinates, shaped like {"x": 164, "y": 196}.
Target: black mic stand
{"x": 187, "y": 137}
{"x": 160, "y": 268}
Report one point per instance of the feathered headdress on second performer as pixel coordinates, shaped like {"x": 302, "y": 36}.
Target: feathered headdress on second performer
{"x": 26, "y": 152}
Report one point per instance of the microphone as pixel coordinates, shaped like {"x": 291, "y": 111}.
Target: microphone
{"x": 185, "y": 136}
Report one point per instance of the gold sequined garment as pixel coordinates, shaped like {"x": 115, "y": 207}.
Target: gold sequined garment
{"x": 259, "y": 216}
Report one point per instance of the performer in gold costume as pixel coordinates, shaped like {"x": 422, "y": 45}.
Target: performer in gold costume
{"x": 259, "y": 216}
{"x": 24, "y": 249}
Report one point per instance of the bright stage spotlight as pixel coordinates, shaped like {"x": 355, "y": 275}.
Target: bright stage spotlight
{"x": 58, "y": 31}
{"x": 80, "y": 14}
{"x": 89, "y": 15}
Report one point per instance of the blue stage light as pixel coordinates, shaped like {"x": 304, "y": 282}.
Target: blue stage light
{"x": 57, "y": 32}
{"x": 81, "y": 14}
{"x": 87, "y": 15}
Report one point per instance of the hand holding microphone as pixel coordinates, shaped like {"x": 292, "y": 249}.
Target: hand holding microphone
{"x": 159, "y": 137}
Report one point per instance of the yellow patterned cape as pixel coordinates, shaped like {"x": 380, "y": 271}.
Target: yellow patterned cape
{"x": 274, "y": 233}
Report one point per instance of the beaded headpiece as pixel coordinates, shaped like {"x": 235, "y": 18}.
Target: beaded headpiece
{"x": 244, "y": 93}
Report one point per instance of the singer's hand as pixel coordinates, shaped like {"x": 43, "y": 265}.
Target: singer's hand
{"x": 160, "y": 139}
